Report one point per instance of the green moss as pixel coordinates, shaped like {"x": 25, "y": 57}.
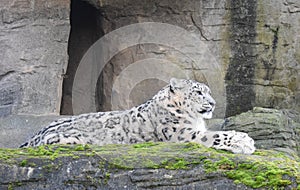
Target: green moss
{"x": 192, "y": 146}
{"x": 257, "y": 172}
{"x": 82, "y": 147}
{"x": 176, "y": 164}
{"x": 257, "y": 175}
{"x": 106, "y": 178}
{"x": 266, "y": 169}
{"x": 144, "y": 145}
{"x": 23, "y": 163}
{"x": 10, "y": 187}
{"x": 223, "y": 164}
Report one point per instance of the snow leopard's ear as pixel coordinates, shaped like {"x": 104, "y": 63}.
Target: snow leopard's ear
{"x": 176, "y": 84}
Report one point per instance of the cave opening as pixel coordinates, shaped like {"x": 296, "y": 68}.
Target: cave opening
{"x": 86, "y": 29}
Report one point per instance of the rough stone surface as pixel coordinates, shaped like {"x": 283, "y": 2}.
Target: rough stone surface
{"x": 277, "y": 79}
{"x": 115, "y": 15}
{"x": 33, "y": 50}
{"x": 270, "y": 128}
{"x": 242, "y": 62}
{"x": 16, "y": 129}
{"x": 141, "y": 166}
{"x": 255, "y": 43}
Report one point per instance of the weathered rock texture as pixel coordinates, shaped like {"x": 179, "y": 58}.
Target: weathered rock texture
{"x": 256, "y": 44}
{"x": 270, "y": 128}
{"x": 16, "y": 129}
{"x": 144, "y": 166}
{"x": 33, "y": 50}
{"x": 115, "y": 15}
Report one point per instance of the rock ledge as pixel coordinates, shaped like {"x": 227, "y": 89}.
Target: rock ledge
{"x": 145, "y": 166}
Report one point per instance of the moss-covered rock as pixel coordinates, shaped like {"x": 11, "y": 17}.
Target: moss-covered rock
{"x": 142, "y": 166}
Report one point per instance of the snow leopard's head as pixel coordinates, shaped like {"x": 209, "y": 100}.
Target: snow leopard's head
{"x": 192, "y": 96}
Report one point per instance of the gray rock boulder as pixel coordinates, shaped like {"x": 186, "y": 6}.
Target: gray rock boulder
{"x": 270, "y": 128}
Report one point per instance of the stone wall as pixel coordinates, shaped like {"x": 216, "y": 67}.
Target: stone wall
{"x": 33, "y": 49}
{"x": 256, "y": 46}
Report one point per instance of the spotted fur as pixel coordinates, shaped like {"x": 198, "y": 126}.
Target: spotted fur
{"x": 175, "y": 114}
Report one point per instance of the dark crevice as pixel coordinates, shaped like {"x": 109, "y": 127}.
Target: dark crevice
{"x": 240, "y": 73}
{"x": 2, "y": 76}
{"x": 199, "y": 28}
{"x": 85, "y": 30}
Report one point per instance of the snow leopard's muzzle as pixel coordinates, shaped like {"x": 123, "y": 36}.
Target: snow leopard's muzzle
{"x": 207, "y": 107}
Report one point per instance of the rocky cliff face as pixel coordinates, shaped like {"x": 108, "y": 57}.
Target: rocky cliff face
{"x": 33, "y": 50}
{"x": 255, "y": 45}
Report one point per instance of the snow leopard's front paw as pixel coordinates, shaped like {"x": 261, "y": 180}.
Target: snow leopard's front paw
{"x": 241, "y": 143}
{"x": 236, "y": 142}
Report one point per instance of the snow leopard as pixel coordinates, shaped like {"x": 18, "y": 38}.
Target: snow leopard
{"x": 176, "y": 113}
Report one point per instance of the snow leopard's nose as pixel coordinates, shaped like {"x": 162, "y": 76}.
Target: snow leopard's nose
{"x": 212, "y": 103}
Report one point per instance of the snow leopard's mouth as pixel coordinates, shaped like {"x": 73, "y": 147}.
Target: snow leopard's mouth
{"x": 206, "y": 114}
{"x": 205, "y": 111}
